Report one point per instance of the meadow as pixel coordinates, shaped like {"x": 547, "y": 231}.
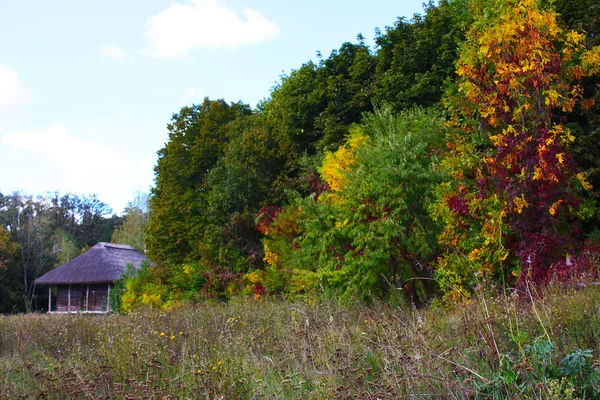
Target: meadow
{"x": 526, "y": 345}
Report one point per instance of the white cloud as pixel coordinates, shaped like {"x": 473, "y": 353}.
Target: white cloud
{"x": 189, "y": 94}
{"x": 112, "y": 53}
{"x": 61, "y": 161}
{"x": 12, "y": 91}
{"x": 205, "y": 24}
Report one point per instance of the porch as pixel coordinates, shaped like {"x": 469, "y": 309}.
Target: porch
{"x": 73, "y": 299}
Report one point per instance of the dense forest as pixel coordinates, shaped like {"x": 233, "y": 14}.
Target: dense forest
{"x": 463, "y": 150}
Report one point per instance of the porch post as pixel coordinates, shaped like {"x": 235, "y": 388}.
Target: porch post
{"x": 49, "y": 298}
{"x": 69, "y": 301}
{"x": 87, "y": 296}
{"x": 108, "y": 299}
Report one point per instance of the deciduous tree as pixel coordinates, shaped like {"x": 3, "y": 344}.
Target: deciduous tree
{"x": 512, "y": 206}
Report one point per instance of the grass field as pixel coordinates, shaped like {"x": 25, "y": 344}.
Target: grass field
{"x": 496, "y": 347}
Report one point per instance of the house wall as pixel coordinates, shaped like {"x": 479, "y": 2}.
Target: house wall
{"x": 83, "y": 298}
{"x": 98, "y": 297}
{"x": 77, "y": 298}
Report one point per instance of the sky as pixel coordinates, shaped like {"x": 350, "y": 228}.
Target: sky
{"x": 88, "y": 87}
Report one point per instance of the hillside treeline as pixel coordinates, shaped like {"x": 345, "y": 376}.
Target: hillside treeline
{"x": 462, "y": 150}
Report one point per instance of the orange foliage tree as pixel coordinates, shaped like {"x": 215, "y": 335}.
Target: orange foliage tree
{"x": 512, "y": 206}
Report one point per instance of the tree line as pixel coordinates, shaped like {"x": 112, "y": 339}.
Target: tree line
{"x": 40, "y": 233}
{"x": 461, "y": 151}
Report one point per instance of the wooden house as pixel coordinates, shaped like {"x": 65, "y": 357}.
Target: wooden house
{"x": 83, "y": 284}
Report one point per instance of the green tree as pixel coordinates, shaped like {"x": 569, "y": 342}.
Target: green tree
{"x": 312, "y": 108}
{"x": 65, "y": 247}
{"x": 48, "y": 231}
{"x": 416, "y": 56}
{"x": 94, "y": 225}
{"x": 371, "y": 232}
{"x": 224, "y": 238}
{"x": 11, "y": 291}
{"x": 29, "y": 223}
{"x": 197, "y": 139}
{"x": 133, "y": 230}
{"x": 85, "y": 219}
{"x": 240, "y": 185}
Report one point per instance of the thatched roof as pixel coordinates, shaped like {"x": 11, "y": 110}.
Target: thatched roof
{"x": 103, "y": 263}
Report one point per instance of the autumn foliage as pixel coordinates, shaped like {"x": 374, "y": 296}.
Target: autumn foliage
{"x": 513, "y": 205}
{"x": 341, "y": 184}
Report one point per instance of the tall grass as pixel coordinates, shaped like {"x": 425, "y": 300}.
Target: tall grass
{"x": 496, "y": 347}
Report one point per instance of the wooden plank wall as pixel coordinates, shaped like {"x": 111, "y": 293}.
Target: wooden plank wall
{"x": 97, "y": 301}
{"x": 62, "y": 298}
{"x": 98, "y": 297}
{"x": 77, "y": 298}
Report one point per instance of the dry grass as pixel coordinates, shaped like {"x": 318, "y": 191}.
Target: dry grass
{"x": 274, "y": 349}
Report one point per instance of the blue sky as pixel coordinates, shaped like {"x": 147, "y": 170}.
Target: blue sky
{"x": 87, "y": 88}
